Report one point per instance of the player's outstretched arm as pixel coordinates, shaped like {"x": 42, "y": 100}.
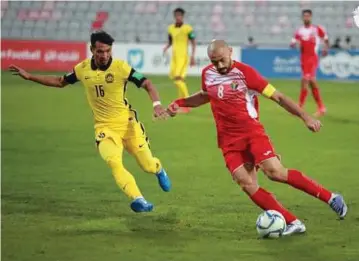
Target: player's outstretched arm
{"x": 289, "y": 105}
{"x": 159, "y": 112}
{"x": 51, "y": 81}
{"x": 192, "y": 101}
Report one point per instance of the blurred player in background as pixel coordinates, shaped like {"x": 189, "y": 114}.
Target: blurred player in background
{"x": 309, "y": 37}
{"x": 179, "y": 34}
{"x": 230, "y": 87}
{"x": 116, "y": 123}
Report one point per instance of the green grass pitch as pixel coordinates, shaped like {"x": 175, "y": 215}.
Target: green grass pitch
{"x": 60, "y": 202}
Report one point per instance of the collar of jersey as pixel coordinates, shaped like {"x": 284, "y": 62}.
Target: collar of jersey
{"x": 178, "y": 25}
{"x": 102, "y": 68}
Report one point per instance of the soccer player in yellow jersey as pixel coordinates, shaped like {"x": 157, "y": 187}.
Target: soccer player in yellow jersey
{"x": 116, "y": 123}
{"x": 179, "y": 34}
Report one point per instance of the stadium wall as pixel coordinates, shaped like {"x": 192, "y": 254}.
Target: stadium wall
{"x": 61, "y": 56}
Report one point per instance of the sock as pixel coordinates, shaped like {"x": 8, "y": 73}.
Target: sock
{"x": 182, "y": 89}
{"x": 299, "y": 181}
{"x": 112, "y": 154}
{"x": 125, "y": 181}
{"x": 303, "y": 96}
{"x": 147, "y": 162}
{"x": 317, "y": 97}
{"x": 267, "y": 201}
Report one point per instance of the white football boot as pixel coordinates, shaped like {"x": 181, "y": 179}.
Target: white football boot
{"x": 296, "y": 227}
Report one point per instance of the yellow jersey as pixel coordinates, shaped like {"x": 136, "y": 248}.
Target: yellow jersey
{"x": 105, "y": 89}
{"x": 178, "y": 36}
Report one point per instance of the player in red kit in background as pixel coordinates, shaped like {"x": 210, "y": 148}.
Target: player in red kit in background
{"x": 231, "y": 87}
{"x": 308, "y": 36}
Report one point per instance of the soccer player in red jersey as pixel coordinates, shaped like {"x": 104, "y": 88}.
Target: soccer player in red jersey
{"x": 231, "y": 87}
{"x": 309, "y": 36}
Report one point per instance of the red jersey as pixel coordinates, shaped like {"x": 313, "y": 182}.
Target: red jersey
{"x": 233, "y": 101}
{"x": 309, "y": 39}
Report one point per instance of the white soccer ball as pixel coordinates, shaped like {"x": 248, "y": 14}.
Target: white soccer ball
{"x": 270, "y": 224}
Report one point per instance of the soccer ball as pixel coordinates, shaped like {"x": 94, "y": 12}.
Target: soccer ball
{"x": 270, "y": 224}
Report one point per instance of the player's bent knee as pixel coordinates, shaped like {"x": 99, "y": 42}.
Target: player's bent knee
{"x": 115, "y": 162}
{"x": 178, "y": 78}
{"x": 276, "y": 173}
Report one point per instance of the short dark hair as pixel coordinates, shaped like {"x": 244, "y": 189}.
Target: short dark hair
{"x": 307, "y": 11}
{"x": 102, "y": 37}
{"x": 179, "y": 10}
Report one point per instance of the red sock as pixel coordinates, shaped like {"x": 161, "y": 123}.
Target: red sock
{"x": 267, "y": 201}
{"x": 303, "y": 96}
{"x": 300, "y": 181}
{"x": 317, "y": 97}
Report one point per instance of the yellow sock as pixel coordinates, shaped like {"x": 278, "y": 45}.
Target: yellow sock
{"x": 124, "y": 179}
{"x": 182, "y": 89}
{"x": 147, "y": 162}
{"x": 112, "y": 154}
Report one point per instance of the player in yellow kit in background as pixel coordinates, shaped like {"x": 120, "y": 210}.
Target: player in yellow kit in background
{"x": 116, "y": 123}
{"x": 179, "y": 34}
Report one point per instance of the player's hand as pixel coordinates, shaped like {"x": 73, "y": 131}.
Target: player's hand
{"x": 173, "y": 109}
{"x": 313, "y": 124}
{"x": 292, "y": 45}
{"x": 16, "y": 70}
{"x": 159, "y": 113}
{"x": 193, "y": 61}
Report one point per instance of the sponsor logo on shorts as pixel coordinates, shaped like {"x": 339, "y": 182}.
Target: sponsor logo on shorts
{"x": 101, "y": 135}
{"x": 267, "y": 153}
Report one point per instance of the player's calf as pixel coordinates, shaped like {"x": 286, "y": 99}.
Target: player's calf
{"x": 153, "y": 165}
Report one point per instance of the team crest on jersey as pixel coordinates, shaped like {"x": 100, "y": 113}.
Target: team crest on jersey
{"x": 234, "y": 85}
{"x": 109, "y": 78}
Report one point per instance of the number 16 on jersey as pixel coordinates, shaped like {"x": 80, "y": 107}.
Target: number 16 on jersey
{"x": 100, "y": 92}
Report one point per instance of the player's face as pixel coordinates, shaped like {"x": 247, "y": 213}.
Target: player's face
{"x": 102, "y": 53}
{"x": 307, "y": 18}
{"x": 178, "y": 18}
{"x": 221, "y": 59}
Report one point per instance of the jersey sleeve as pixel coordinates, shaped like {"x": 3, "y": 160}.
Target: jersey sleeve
{"x": 132, "y": 75}
{"x": 322, "y": 33}
{"x": 191, "y": 34}
{"x": 71, "y": 77}
{"x": 74, "y": 76}
{"x": 255, "y": 81}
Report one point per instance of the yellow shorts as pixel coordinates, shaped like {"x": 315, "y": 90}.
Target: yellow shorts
{"x": 179, "y": 67}
{"x": 131, "y": 136}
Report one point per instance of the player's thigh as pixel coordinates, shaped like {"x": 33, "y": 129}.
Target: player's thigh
{"x": 246, "y": 178}
{"x": 135, "y": 138}
{"x": 274, "y": 169}
{"x": 236, "y": 159}
{"x": 180, "y": 70}
{"x": 309, "y": 68}
{"x": 109, "y": 143}
{"x": 261, "y": 148}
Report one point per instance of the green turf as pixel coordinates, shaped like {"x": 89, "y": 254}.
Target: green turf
{"x": 60, "y": 202}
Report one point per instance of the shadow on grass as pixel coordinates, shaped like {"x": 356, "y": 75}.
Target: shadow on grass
{"x": 340, "y": 120}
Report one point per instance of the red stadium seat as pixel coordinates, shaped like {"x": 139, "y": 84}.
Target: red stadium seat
{"x": 101, "y": 16}
{"x": 97, "y": 25}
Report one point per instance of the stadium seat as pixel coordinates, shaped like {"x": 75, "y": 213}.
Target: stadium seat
{"x": 149, "y": 20}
